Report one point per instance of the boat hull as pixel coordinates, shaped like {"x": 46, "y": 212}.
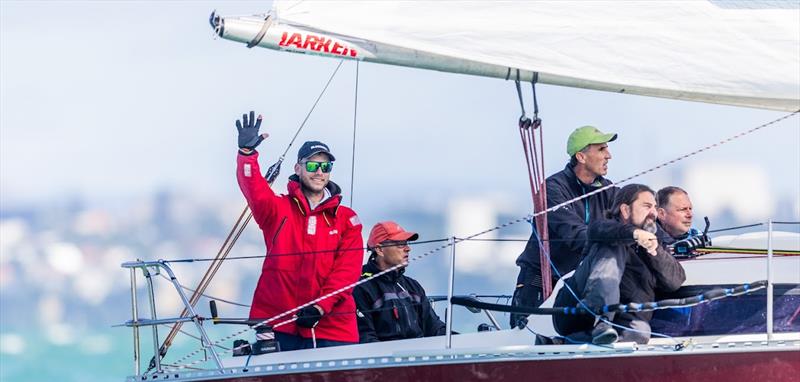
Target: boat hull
{"x": 721, "y": 366}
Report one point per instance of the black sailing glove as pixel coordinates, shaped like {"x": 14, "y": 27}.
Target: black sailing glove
{"x": 686, "y": 247}
{"x": 308, "y": 317}
{"x": 248, "y": 131}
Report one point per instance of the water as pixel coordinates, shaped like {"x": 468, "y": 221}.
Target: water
{"x": 103, "y": 355}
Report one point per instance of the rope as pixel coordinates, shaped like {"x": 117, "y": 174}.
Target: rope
{"x": 596, "y": 316}
{"x": 223, "y": 252}
{"x": 296, "y": 253}
{"x": 518, "y": 220}
{"x": 355, "y": 118}
{"x": 534, "y": 160}
{"x": 633, "y": 307}
{"x": 422, "y": 242}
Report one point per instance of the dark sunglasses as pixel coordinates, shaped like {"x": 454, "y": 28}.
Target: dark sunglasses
{"x": 326, "y": 167}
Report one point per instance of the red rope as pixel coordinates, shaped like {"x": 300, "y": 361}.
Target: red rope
{"x": 534, "y": 160}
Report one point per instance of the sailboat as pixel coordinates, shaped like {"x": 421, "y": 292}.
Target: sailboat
{"x": 738, "y": 53}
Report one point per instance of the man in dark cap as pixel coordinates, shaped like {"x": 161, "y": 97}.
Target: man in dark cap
{"x": 589, "y": 155}
{"x": 314, "y": 245}
{"x": 392, "y": 306}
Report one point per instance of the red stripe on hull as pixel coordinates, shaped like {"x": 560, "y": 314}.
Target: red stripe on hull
{"x": 755, "y": 366}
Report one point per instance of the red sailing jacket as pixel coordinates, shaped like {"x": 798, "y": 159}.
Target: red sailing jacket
{"x": 309, "y": 254}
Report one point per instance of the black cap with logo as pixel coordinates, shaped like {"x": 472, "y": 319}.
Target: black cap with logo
{"x": 312, "y": 148}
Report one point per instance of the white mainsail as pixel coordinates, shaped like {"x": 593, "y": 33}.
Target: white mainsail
{"x": 735, "y": 52}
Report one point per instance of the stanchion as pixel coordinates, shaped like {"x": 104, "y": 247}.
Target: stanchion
{"x": 449, "y": 323}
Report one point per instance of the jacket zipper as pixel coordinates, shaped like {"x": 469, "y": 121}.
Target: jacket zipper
{"x": 405, "y": 307}
{"x": 280, "y": 226}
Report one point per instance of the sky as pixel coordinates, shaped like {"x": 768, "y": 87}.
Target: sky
{"x": 108, "y": 101}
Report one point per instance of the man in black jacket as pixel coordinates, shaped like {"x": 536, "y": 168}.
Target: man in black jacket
{"x": 392, "y": 306}
{"x": 625, "y": 263}
{"x": 589, "y": 155}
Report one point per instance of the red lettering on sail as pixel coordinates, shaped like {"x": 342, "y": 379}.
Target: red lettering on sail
{"x": 325, "y": 45}
{"x": 295, "y": 40}
{"x": 311, "y": 41}
{"x": 316, "y": 43}
{"x": 337, "y": 48}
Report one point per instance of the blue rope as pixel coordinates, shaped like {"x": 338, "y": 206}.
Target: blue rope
{"x": 605, "y": 308}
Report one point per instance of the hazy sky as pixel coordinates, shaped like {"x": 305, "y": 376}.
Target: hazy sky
{"x": 112, "y": 100}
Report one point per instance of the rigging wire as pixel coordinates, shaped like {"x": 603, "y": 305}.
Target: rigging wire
{"x": 520, "y": 240}
{"x": 735, "y": 228}
{"x": 195, "y": 337}
{"x": 355, "y": 119}
{"x": 208, "y": 296}
{"x": 314, "y": 106}
{"x": 238, "y": 228}
{"x": 524, "y": 218}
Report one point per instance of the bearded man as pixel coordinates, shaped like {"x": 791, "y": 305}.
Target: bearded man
{"x": 624, "y": 264}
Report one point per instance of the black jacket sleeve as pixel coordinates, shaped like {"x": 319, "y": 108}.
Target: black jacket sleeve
{"x": 610, "y": 230}
{"x": 364, "y": 316}
{"x": 668, "y": 271}
{"x": 565, "y": 224}
{"x": 431, "y": 324}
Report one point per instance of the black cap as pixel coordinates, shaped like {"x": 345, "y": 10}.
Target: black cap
{"x": 311, "y": 148}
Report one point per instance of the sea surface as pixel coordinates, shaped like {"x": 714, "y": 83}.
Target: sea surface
{"x": 103, "y": 355}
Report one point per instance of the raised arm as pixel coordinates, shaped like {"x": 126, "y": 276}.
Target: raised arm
{"x": 260, "y": 197}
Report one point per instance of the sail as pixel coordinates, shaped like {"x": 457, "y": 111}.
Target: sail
{"x": 728, "y": 52}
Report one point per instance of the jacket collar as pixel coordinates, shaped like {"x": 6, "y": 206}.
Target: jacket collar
{"x": 371, "y": 268}
{"x": 569, "y": 170}
{"x": 296, "y": 192}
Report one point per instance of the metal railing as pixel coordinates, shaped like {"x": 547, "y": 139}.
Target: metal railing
{"x": 149, "y": 269}
{"x": 152, "y": 268}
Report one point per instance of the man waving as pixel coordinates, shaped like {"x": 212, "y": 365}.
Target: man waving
{"x": 314, "y": 244}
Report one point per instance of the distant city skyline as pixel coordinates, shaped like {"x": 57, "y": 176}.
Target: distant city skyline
{"x": 116, "y": 111}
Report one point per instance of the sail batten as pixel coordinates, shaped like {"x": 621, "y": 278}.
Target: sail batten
{"x": 695, "y": 50}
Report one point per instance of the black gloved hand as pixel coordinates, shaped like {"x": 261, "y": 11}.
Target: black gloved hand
{"x": 248, "y": 131}
{"x": 308, "y": 317}
{"x": 687, "y": 246}
{"x": 525, "y": 295}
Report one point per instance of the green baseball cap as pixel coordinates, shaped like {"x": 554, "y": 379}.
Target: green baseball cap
{"x": 585, "y": 136}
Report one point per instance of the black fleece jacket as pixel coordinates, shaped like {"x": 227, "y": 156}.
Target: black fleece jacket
{"x": 393, "y": 307}
{"x": 567, "y": 226}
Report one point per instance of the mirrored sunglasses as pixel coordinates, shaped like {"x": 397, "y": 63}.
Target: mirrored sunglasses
{"x": 312, "y": 166}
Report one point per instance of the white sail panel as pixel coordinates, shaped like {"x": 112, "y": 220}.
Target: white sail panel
{"x": 693, "y": 50}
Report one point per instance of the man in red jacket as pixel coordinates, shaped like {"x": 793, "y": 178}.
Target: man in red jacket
{"x": 314, "y": 245}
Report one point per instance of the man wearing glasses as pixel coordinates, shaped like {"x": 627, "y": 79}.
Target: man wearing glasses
{"x": 392, "y": 306}
{"x": 314, "y": 245}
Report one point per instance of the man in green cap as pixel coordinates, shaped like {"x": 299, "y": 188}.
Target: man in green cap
{"x": 589, "y": 155}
